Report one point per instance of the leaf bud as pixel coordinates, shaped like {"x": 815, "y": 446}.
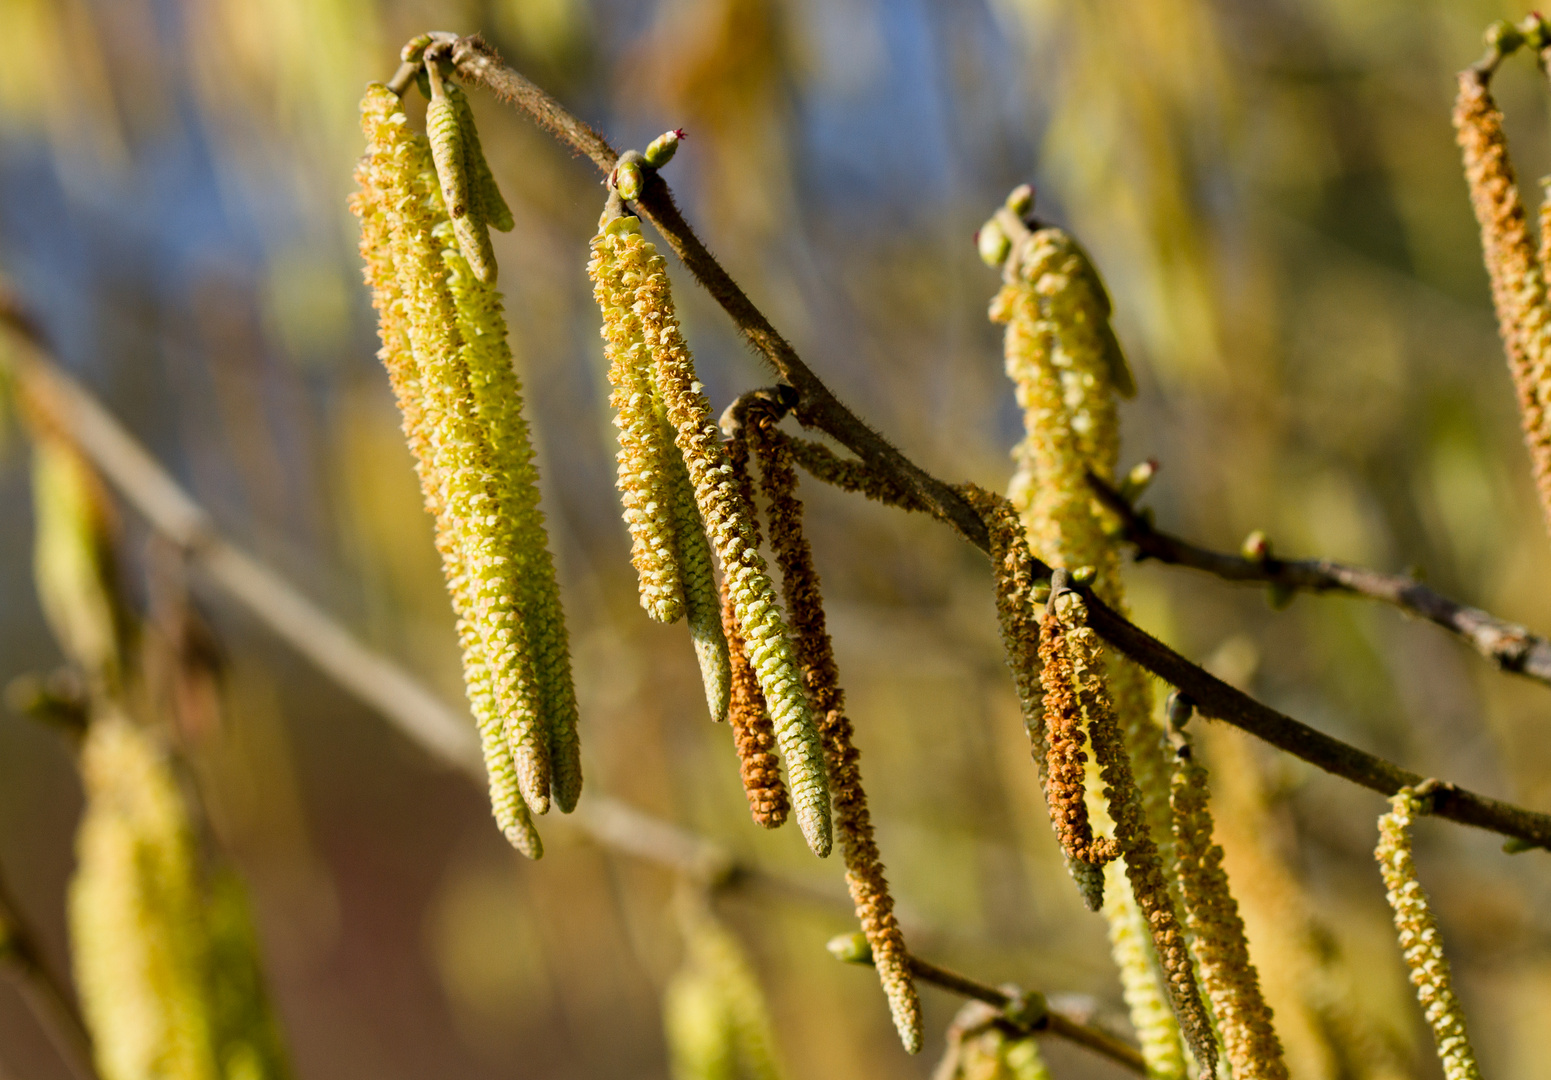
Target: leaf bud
{"x": 1256, "y": 547}
{"x": 850, "y": 948}
{"x": 1025, "y": 1008}
{"x": 992, "y": 243}
{"x": 660, "y": 150}
{"x": 1138, "y": 479}
{"x": 415, "y": 48}
{"x": 1085, "y": 575}
{"x": 1021, "y": 199}
{"x": 628, "y": 179}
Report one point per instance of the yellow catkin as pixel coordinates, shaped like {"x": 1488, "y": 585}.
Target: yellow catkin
{"x": 1066, "y": 370}
{"x": 497, "y": 394}
{"x": 481, "y": 547}
{"x": 805, "y": 605}
{"x": 645, "y": 443}
{"x": 1144, "y": 869}
{"x": 1212, "y": 916}
{"x": 136, "y": 930}
{"x": 727, "y": 520}
{"x": 1517, "y": 276}
{"x": 445, "y": 126}
{"x": 1420, "y": 942}
{"x": 702, "y": 595}
{"x": 713, "y": 1011}
{"x": 484, "y": 193}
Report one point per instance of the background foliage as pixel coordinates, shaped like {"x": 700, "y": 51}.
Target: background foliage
{"x": 1274, "y": 195}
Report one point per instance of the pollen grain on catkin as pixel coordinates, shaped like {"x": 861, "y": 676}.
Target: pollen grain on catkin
{"x": 1420, "y": 942}
{"x": 815, "y": 652}
{"x": 727, "y": 519}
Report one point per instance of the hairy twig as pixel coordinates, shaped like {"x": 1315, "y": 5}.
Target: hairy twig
{"x": 1507, "y": 645}
{"x": 817, "y": 407}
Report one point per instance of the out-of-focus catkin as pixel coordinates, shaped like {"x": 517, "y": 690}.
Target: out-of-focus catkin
{"x": 1517, "y": 276}
{"x": 727, "y": 521}
{"x": 713, "y": 1011}
{"x": 136, "y": 917}
{"x": 1212, "y": 917}
{"x": 805, "y": 607}
{"x": 753, "y": 733}
{"x": 1420, "y": 942}
{"x": 498, "y": 571}
{"x": 1144, "y": 870}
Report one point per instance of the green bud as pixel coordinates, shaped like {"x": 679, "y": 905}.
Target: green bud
{"x": 993, "y": 244}
{"x": 1042, "y": 592}
{"x": 850, "y": 948}
{"x": 1138, "y": 480}
{"x": 660, "y": 150}
{"x": 1280, "y": 595}
{"x": 414, "y": 49}
{"x": 1514, "y": 846}
{"x": 1532, "y": 32}
{"x": 1027, "y": 1009}
{"x": 628, "y": 179}
{"x": 1085, "y": 575}
{"x": 1256, "y": 547}
{"x": 1021, "y": 199}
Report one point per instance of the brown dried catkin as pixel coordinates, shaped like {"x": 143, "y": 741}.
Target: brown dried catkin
{"x": 1517, "y": 276}
{"x": 815, "y": 654}
{"x": 1143, "y": 867}
{"x": 752, "y": 730}
{"x": 1064, "y": 788}
{"x": 1212, "y": 916}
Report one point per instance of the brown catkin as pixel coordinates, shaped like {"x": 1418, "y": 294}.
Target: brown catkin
{"x": 1212, "y": 917}
{"x": 393, "y": 155}
{"x": 1143, "y": 867}
{"x": 1517, "y": 277}
{"x": 753, "y": 734}
{"x": 805, "y": 607}
{"x": 1064, "y": 789}
{"x": 1420, "y": 941}
{"x": 848, "y": 474}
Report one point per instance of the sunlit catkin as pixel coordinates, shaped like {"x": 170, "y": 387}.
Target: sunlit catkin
{"x": 446, "y": 127}
{"x": 713, "y": 1011}
{"x": 1517, "y": 277}
{"x": 645, "y": 443}
{"x": 805, "y": 607}
{"x": 727, "y": 520}
{"x": 482, "y": 549}
{"x": 484, "y": 194}
{"x": 1420, "y": 941}
{"x": 753, "y": 733}
{"x": 702, "y": 596}
{"x": 1143, "y": 867}
{"x": 136, "y": 918}
{"x": 1064, "y": 784}
{"x": 1212, "y": 917}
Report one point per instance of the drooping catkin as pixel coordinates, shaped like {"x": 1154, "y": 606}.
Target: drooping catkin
{"x": 645, "y": 445}
{"x": 713, "y": 1011}
{"x": 484, "y": 194}
{"x": 1143, "y": 868}
{"x": 1420, "y": 941}
{"x": 702, "y": 596}
{"x": 805, "y": 607}
{"x": 446, "y": 126}
{"x": 727, "y": 518}
{"x": 481, "y": 548}
{"x": 248, "y": 1040}
{"x": 753, "y": 733}
{"x": 1517, "y": 276}
{"x": 136, "y": 918}
{"x": 848, "y": 474}
{"x": 1064, "y": 786}
{"x": 498, "y": 402}
{"x": 1212, "y": 916}
{"x": 1012, "y": 567}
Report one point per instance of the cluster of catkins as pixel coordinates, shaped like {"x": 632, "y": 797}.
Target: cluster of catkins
{"x": 688, "y": 500}
{"x": 426, "y": 203}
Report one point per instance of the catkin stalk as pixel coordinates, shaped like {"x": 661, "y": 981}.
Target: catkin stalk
{"x": 727, "y": 519}
{"x": 805, "y": 606}
{"x": 1420, "y": 941}
{"x": 1517, "y": 276}
{"x": 1232, "y": 984}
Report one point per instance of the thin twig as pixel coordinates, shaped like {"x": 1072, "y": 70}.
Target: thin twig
{"x": 1507, "y": 645}
{"x": 817, "y": 407}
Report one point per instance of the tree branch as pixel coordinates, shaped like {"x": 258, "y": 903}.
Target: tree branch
{"x": 817, "y": 407}
{"x": 1507, "y": 645}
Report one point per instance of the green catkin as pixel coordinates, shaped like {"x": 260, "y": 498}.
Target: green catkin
{"x": 714, "y": 1014}
{"x": 476, "y": 541}
{"x": 498, "y": 399}
{"x": 1212, "y": 916}
{"x": 727, "y": 520}
{"x": 1067, "y": 370}
{"x": 484, "y": 194}
{"x": 702, "y": 596}
{"x": 136, "y": 929}
{"x": 981, "y": 1045}
{"x": 1420, "y": 941}
{"x": 645, "y": 441}
{"x": 444, "y": 127}
{"x": 248, "y": 1041}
